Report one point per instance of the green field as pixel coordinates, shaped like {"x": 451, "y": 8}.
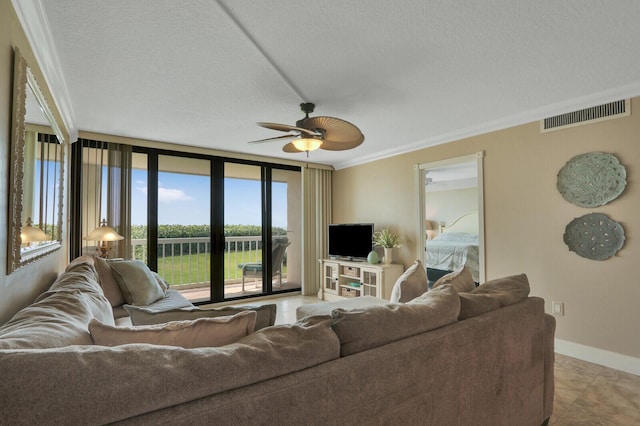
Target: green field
{"x": 194, "y": 268}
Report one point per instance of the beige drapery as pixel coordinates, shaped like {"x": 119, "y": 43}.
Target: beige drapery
{"x": 316, "y": 210}
{"x": 108, "y": 163}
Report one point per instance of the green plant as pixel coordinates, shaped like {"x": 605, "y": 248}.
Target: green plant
{"x": 386, "y": 238}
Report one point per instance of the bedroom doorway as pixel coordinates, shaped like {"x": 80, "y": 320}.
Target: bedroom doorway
{"x": 451, "y": 219}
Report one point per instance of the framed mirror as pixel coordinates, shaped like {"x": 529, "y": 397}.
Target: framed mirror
{"x": 36, "y": 173}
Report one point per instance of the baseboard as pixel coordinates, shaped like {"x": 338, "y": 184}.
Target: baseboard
{"x": 609, "y": 359}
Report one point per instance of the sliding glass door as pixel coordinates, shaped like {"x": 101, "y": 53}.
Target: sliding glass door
{"x": 214, "y": 228}
{"x": 243, "y": 247}
{"x": 183, "y": 206}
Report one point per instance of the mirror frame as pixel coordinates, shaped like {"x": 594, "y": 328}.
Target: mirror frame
{"x": 23, "y": 80}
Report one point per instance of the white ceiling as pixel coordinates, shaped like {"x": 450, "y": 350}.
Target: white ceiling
{"x": 409, "y": 74}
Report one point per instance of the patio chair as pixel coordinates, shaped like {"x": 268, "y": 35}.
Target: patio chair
{"x": 254, "y": 270}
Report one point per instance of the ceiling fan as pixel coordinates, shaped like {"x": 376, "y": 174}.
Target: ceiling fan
{"x": 311, "y": 133}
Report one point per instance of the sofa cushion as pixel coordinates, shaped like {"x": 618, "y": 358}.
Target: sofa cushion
{"x": 325, "y": 308}
{"x": 173, "y": 299}
{"x": 203, "y": 332}
{"x": 461, "y": 280}
{"x": 362, "y": 329}
{"x": 137, "y": 283}
{"x": 101, "y": 385}
{"x": 494, "y": 294}
{"x": 108, "y": 282}
{"x": 411, "y": 284}
{"x": 266, "y": 314}
{"x": 56, "y": 319}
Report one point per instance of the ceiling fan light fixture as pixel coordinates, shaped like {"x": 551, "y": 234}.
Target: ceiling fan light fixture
{"x": 307, "y": 144}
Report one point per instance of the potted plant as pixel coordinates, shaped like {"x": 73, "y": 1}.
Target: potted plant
{"x": 387, "y": 240}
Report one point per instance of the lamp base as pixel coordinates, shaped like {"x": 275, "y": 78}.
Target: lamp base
{"x": 103, "y": 250}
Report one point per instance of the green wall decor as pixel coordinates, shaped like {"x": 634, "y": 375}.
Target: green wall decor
{"x": 592, "y": 179}
{"x": 594, "y": 236}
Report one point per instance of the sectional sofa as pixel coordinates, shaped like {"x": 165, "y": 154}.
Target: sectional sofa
{"x": 435, "y": 360}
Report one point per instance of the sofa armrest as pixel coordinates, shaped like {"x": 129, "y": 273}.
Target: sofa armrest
{"x": 549, "y": 361}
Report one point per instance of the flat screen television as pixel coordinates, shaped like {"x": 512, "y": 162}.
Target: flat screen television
{"x": 350, "y": 240}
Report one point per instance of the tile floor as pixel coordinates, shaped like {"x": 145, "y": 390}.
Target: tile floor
{"x": 586, "y": 394}
{"x": 590, "y": 394}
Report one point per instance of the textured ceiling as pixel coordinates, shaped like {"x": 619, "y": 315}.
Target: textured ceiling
{"x": 409, "y": 74}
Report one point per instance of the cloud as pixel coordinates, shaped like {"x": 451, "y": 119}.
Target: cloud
{"x": 165, "y": 195}
{"x": 141, "y": 186}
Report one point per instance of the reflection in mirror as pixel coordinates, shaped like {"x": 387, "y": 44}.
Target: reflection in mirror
{"x": 36, "y": 172}
{"x": 451, "y": 216}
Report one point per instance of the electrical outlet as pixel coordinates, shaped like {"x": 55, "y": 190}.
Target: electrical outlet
{"x": 557, "y": 308}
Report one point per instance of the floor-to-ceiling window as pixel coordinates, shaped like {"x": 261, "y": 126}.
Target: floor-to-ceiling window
{"x": 214, "y": 228}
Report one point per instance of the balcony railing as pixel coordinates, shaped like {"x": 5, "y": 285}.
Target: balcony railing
{"x": 185, "y": 262}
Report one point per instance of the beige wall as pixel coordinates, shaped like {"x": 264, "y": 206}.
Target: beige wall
{"x": 525, "y": 217}
{"x": 21, "y": 287}
{"x": 447, "y": 206}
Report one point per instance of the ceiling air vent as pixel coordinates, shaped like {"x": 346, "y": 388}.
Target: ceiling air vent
{"x": 594, "y": 114}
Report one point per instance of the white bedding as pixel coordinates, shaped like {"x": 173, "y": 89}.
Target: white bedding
{"x": 452, "y": 250}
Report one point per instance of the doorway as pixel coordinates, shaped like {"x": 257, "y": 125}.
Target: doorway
{"x": 451, "y": 219}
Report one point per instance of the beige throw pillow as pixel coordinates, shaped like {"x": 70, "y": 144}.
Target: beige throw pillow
{"x": 203, "y": 332}
{"x": 136, "y": 281}
{"x": 108, "y": 282}
{"x": 461, "y": 280}
{"x": 266, "y": 314}
{"x": 494, "y": 294}
{"x": 411, "y": 284}
{"x": 362, "y": 329}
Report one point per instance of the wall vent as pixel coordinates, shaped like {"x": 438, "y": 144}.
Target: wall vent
{"x": 611, "y": 110}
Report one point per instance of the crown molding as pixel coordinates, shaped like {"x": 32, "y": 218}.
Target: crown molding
{"x": 33, "y": 19}
{"x": 622, "y": 92}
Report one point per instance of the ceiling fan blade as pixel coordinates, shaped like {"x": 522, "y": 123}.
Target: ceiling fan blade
{"x": 287, "y": 128}
{"x": 338, "y": 135}
{"x": 274, "y": 138}
{"x": 341, "y": 146}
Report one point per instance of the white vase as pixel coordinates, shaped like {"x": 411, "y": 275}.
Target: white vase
{"x": 388, "y": 255}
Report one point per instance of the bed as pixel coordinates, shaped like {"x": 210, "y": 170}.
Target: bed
{"x": 455, "y": 246}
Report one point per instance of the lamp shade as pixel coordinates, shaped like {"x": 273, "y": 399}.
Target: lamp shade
{"x": 104, "y": 233}
{"x": 307, "y": 144}
{"x": 31, "y": 234}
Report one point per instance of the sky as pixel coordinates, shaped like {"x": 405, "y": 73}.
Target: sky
{"x": 184, "y": 199}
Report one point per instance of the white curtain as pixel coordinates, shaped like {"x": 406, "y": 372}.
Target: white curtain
{"x": 316, "y": 210}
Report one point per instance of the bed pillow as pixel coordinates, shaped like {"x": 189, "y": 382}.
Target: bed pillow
{"x": 411, "y": 284}
{"x": 494, "y": 294}
{"x": 366, "y": 328}
{"x": 138, "y": 285}
{"x": 203, "y": 332}
{"x": 265, "y": 314}
{"x": 461, "y": 280}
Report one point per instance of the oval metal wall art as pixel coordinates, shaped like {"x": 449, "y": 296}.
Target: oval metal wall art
{"x": 594, "y": 236}
{"x": 592, "y": 179}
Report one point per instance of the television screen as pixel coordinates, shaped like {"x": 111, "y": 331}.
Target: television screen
{"x": 350, "y": 240}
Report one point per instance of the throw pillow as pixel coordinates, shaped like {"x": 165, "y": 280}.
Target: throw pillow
{"x": 494, "y": 294}
{"x": 137, "y": 283}
{"x": 461, "y": 280}
{"x": 108, "y": 282}
{"x": 203, "y": 332}
{"x": 411, "y": 284}
{"x": 362, "y": 329}
{"x": 265, "y": 314}
{"x": 161, "y": 281}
